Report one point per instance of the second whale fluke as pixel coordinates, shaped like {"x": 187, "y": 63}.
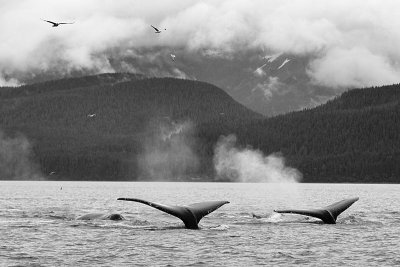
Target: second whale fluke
{"x": 190, "y": 214}
{"x": 327, "y": 214}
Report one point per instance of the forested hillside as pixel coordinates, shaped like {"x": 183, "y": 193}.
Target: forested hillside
{"x": 90, "y": 129}
{"x": 353, "y": 138}
{"x": 127, "y": 127}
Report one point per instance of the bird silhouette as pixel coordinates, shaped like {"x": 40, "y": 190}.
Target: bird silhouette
{"x": 56, "y": 24}
{"x": 156, "y": 29}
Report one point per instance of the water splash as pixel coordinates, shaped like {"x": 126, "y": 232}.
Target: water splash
{"x": 168, "y": 152}
{"x": 16, "y": 158}
{"x": 250, "y": 165}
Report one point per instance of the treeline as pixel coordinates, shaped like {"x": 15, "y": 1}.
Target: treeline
{"x": 96, "y": 130}
{"x": 67, "y": 83}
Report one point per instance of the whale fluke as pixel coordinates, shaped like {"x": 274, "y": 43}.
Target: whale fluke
{"x": 190, "y": 215}
{"x": 327, "y": 214}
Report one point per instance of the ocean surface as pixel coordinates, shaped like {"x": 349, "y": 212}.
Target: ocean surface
{"x": 38, "y": 225}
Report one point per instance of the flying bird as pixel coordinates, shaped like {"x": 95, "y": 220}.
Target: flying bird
{"x": 173, "y": 57}
{"x": 56, "y": 24}
{"x": 92, "y": 115}
{"x": 156, "y": 29}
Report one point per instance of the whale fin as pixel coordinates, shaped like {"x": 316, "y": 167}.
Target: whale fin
{"x": 190, "y": 215}
{"x": 327, "y": 214}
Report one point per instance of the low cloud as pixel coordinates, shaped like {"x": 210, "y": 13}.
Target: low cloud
{"x": 249, "y": 165}
{"x": 355, "y": 67}
{"x": 270, "y": 87}
{"x": 351, "y": 43}
{"x": 8, "y": 82}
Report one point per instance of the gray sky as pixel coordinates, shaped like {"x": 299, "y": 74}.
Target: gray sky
{"x": 351, "y": 43}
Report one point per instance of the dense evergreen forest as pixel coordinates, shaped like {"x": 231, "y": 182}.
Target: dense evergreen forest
{"x": 352, "y": 138}
{"x": 105, "y": 127}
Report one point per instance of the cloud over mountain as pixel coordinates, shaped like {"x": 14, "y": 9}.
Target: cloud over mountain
{"x": 350, "y": 43}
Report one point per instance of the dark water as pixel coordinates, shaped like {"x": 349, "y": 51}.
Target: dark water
{"x": 38, "y": 225}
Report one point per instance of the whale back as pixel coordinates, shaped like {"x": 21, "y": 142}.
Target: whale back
{"x": 190, "y": 215}
{"x": 91, "y": 216}
{"x": 327, "y": 214}
{"x": 101, "y": 216}
{"x": 115, "y": 217}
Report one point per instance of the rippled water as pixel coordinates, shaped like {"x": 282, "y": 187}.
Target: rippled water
{"x": 38, "y": 225}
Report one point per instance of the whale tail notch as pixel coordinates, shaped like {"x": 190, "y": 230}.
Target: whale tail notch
{"x": 327, "y": 214}
{"x": 190, "y": 215}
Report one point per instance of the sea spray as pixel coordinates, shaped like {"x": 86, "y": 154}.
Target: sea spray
{"x": 250, "y": 165}
{"x": 168, "y": 152}
{"x": 16, "y": 158}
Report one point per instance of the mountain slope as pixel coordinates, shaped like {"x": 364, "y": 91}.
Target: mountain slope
{"x": 353, "y": 138}
{"x": 91, "y": 129}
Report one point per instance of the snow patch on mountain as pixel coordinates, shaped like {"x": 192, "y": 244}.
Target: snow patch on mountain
{"x": 273, "y": 57}
{"x": 260, "y": 72}
{"x": 284, "y": 63}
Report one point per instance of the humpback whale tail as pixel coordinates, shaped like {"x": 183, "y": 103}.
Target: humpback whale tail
{"x": 190, "y": 215}
{"x": 327, "y": 214}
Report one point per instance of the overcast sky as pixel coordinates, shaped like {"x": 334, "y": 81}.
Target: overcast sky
{"x": 352, "y": 42}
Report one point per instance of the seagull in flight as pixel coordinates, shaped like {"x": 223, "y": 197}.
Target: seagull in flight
{"x": 92, "y": 115}
{"x": 156, "y": 29}
{"x": 56, "y": 24}
{"x": 173, "y": 57}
